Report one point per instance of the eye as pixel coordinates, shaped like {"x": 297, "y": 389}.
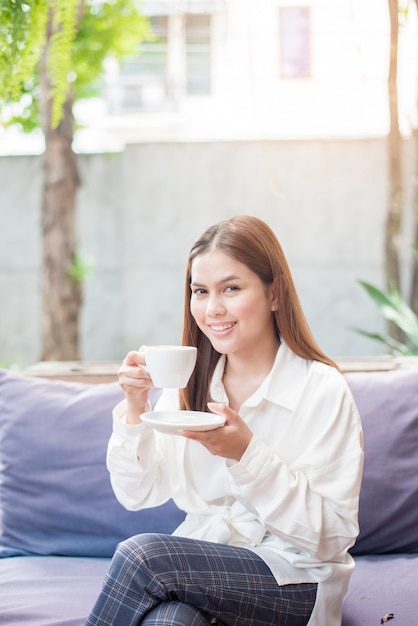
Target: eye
{"x": 199, "y": 291}
{"x": 231, "y": 288}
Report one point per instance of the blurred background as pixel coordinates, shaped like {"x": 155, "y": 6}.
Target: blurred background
{"x": 277, "y": 108}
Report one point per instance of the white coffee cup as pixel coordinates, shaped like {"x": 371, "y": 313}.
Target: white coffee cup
{"x": 170, "y": 366}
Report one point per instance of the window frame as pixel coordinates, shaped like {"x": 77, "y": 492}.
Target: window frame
{"x": 295, "y": 62}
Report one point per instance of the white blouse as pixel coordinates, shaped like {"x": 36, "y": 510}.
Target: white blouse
{"x": 293, "y": 496}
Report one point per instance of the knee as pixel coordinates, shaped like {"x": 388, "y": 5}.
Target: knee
{"x": 140, "y": 546}
{"x": 138, "y": 559}
{"x": 136, "y": 544}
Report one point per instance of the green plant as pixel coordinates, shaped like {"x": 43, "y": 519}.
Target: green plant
{"x": 14, "y": 367}
{"x": 394, "y": 309}
{"x": 82, "y": 267}
{"x": 76, "y": 35}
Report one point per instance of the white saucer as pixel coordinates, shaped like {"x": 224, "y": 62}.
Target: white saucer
{"x": 174, "y": 422}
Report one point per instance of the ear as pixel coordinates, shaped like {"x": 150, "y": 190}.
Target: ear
{"x": 274, "y": 304}
{"x": 274, "y": 298}
{"x": 277, "y": 292}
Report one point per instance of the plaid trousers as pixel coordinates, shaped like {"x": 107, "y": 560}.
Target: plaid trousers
{"x": 157, "y": 579}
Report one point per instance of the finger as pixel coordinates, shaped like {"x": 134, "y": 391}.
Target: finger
{"x": 135, "y": 374}
{"x": 202, "y": 435}
{"x": 133, "y": 357}
{"x": 132, "y": 371}
{"x": 223, "y": 409}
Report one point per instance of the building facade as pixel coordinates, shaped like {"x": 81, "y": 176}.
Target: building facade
{"x": 230, "y": 69}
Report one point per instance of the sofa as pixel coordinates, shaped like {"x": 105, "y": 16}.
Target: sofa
{"x": 60, "y": 522}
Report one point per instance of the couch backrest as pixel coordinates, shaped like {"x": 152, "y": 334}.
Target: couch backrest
{"x": 55, "y": 492}
{"x": 53, "y": 438}
{"x": 388, "y": 406}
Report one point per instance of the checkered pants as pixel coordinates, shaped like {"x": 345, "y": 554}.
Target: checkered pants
{"x": 157, "y": 579}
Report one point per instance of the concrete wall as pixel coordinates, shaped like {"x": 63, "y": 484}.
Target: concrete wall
{"x": 139, "y": 212}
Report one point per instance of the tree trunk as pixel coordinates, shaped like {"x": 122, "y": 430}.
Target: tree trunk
{"x": 394, "y": 213}
{"x": 414, "y": 283}
{"x": 61, "y": 294}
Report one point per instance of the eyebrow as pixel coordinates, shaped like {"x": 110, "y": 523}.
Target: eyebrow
{"x": 227, "y": 279}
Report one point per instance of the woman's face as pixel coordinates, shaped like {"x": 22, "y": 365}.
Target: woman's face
{"x": 230, "y": 304}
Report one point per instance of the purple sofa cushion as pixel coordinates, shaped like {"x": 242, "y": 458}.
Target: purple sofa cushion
{"x": 380, "y": 585}
{"x": 49, "y": 590}
{"x": 388, "y": 516}
{"x": 55, "y": 493}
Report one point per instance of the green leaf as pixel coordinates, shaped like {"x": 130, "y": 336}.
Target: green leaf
{"x": 22, "y": 39}
{"x": 395, "y": 309}
{"x": 394, "y": 346}
{"x": 64, "y": 28}
{"x": 83, "y": 34}
{"x": 82, "y": 267}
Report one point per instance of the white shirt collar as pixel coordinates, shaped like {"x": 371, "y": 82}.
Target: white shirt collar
{"x": 283, "y": 385}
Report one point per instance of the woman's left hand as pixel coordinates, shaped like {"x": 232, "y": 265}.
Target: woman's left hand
{"x": 229, "y": 441}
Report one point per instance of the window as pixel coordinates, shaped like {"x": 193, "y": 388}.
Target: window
{"x": 294, "y": 41}
{"x": 198, "y": 64}
{"x": 143, "y": 80}
{"x": 176, "y": 62}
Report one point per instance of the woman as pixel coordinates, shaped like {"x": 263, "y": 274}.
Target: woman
{"x": 272, "y": 496}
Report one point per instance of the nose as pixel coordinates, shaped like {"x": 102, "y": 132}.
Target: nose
{"x": 214, "y": 306}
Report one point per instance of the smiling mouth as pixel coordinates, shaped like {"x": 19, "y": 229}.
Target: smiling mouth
{"x": 218, "y": 328}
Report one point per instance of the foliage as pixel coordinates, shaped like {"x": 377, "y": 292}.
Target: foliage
{"x": 22, "y": 36}
{"x": 84, "y": 33}
{"x": 111, "y": 26}
{"x": 63, "y": 28}
{"x": 82, "y": 267}
{"x": 394, "y": 309}
{"x": 13, "y": 366}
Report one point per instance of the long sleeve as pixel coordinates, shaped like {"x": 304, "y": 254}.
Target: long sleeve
{"x": 135, "y": 460}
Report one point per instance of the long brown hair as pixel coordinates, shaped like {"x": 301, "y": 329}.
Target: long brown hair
{"x": 252, "y": 242}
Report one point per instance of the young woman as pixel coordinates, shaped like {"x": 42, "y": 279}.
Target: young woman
{"x": 272, "y": 496}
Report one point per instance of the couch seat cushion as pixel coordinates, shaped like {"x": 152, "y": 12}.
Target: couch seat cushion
{"x": 48, "y": 590}
{"x": 381, "y": 585}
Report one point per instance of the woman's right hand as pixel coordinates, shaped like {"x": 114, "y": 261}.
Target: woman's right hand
{"x": 136, "y": 383}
